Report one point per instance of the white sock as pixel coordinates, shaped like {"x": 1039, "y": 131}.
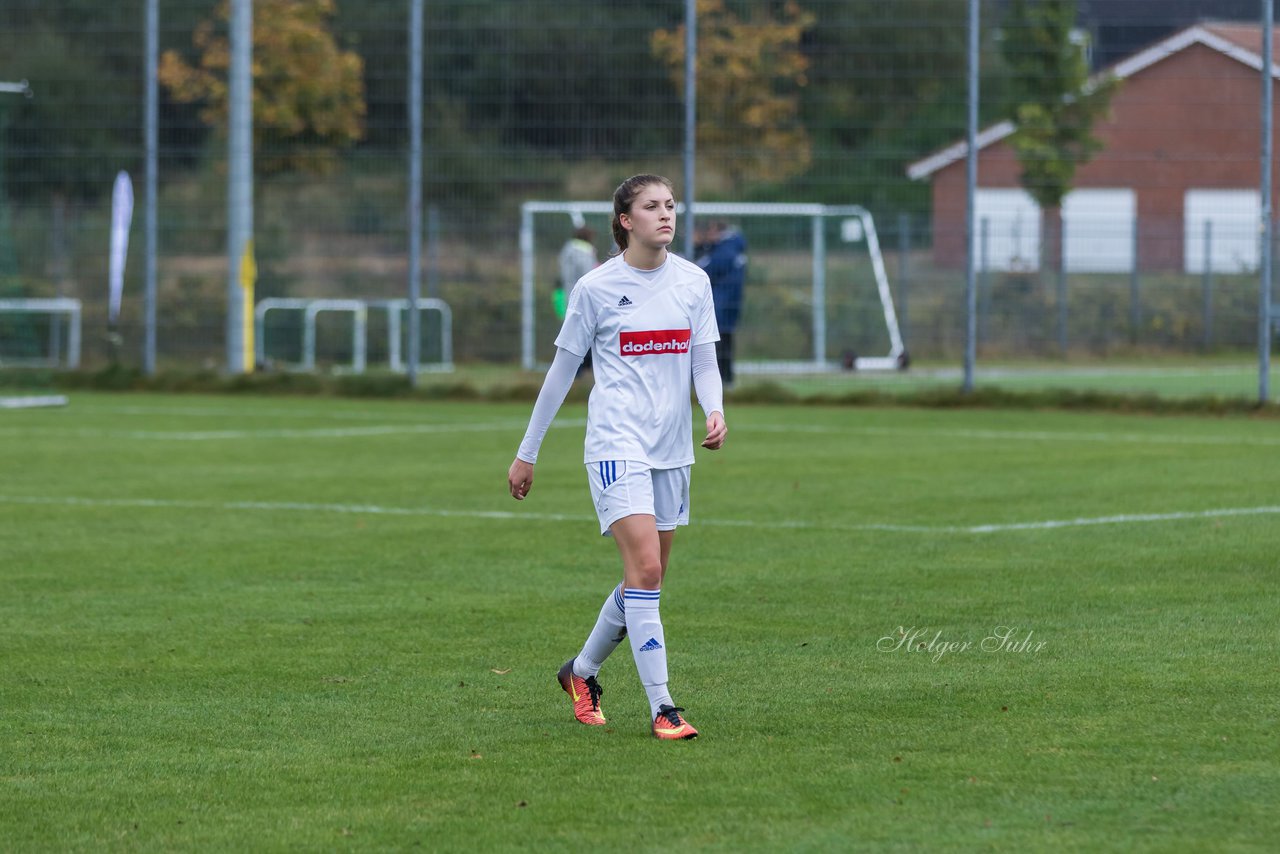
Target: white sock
{"x": 644, "y": 627}
{"x": 609, "y": 630}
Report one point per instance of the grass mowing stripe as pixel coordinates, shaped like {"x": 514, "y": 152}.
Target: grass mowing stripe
{"x": 780, "y": 524}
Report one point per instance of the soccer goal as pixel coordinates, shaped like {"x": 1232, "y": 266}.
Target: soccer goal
{"x": 31, "y": 332}
{"x": 817, "y": 296}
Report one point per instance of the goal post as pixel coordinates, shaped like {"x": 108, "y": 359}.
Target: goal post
{"x": 793, "y": 230}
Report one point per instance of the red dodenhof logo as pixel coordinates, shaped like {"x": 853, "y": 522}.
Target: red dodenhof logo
{"x": 655, "y": 341}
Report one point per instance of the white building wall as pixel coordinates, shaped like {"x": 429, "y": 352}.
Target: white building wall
{"x": 1099, "y": 230}
{"x": 1235, "y": 217}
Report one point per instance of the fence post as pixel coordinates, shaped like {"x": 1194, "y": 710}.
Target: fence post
{"x": 60, "y": 274}
{"x": 904, "y": 249}
{"x": 55, "y": 334}
{"x": 1135, "y": 299}
{"x": 433, "y": 251}
{"x": 1062, "y": 283}
{"x": 819, "y": 291}
{"x": 1206, "y": 285}
{"x": 984, "y": 279}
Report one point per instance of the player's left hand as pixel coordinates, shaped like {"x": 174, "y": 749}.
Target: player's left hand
{"x": 716, "y": 432}
{"x": 520, "y": 479}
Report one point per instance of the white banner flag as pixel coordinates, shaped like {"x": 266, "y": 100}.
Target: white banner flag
{"x": 121, "y": 217}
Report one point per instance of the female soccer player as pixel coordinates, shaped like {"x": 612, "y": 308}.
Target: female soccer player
{"x": 648, "y": 319}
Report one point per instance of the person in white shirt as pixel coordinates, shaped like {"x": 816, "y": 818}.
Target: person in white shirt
{"x": 648, "y": 319}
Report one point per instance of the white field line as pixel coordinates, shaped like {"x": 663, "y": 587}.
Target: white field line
{"x": 379, "y": 510}
{"x": 1019, "y": 435}
{"x": 288, "y": 506}
{"x": 409, "y": 415}
{"x": 516, "y": 427}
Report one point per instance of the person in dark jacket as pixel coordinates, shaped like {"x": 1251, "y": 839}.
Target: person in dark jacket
{"x": 722, "y": 253}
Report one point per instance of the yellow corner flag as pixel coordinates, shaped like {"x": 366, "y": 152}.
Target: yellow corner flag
{"x": 248, "y": 276}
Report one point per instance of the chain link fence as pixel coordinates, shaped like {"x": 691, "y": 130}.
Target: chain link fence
{"x": 833, "y": 102}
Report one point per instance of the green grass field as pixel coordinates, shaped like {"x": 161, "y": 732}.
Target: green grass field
{"x": 1229, "y": 376}
{"x": 236, "y": 623}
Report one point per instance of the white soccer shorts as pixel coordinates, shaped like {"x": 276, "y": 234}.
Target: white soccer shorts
{"x": 626, "y": 488}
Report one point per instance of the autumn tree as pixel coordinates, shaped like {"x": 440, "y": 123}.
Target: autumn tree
{"x": 750, "y": 70}
{"x": 308, "y": 94}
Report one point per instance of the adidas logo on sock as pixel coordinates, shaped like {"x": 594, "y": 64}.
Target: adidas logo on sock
{"x": 650, "y": 645}
{"x": 624, "y": 301}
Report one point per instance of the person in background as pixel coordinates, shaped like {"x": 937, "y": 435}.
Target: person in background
{"x": 722, "y": 252}
{"x": 577, "y": 258}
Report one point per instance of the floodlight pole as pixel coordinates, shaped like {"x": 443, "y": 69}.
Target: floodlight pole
{"x": 239, "y": 175}
{"x": 971, "y": 183}
{"x": 1265, "y": 308}
{"x": 150, "y": 134}
{"x": 690, "y": 117}
{"x": 415, "y": 187}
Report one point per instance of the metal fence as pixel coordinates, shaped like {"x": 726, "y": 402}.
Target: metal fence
{"x": 831, "y": 102}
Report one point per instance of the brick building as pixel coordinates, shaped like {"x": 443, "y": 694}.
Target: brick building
{"x": 1181, "y": 148}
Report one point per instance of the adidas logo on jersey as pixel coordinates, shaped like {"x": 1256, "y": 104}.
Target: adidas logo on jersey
{"x": 650, "y": 645}
{"x": 624, "y": 302}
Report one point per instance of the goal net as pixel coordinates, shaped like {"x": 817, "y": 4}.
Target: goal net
{"x": 816, "y": 299}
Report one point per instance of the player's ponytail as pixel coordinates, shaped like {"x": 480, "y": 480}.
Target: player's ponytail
{"x": 624, "y": 197}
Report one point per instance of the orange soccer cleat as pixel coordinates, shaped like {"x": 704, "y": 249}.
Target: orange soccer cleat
{"x": 585, "y": 694}
{"x": 669, "y": 725}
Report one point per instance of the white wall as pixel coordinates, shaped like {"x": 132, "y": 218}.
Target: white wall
{"x": 1013, "y": 229}
{"x": 1099, "y": 226}
{"x": 1099, "y": 230}
{"x": 1235, "y": 216}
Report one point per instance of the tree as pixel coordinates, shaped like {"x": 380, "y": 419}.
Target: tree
{"x": 886, "y": 85}
{"x": 308, "y": 94}
{"x": 80, "y": 106}
{"x": 750, "y": 72}
{"x": 64, "y": 146}
{"x": 1053, "y": 102}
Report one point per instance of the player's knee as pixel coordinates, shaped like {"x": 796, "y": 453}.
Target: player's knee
{"x": 646, "y": 574}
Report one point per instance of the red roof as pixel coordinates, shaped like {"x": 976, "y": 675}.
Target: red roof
{"x": 1247, "y": 36}
{"x": 1241, "y": 42}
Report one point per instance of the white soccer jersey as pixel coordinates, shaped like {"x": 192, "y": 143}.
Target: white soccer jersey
{"x": 640, "y": 327}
